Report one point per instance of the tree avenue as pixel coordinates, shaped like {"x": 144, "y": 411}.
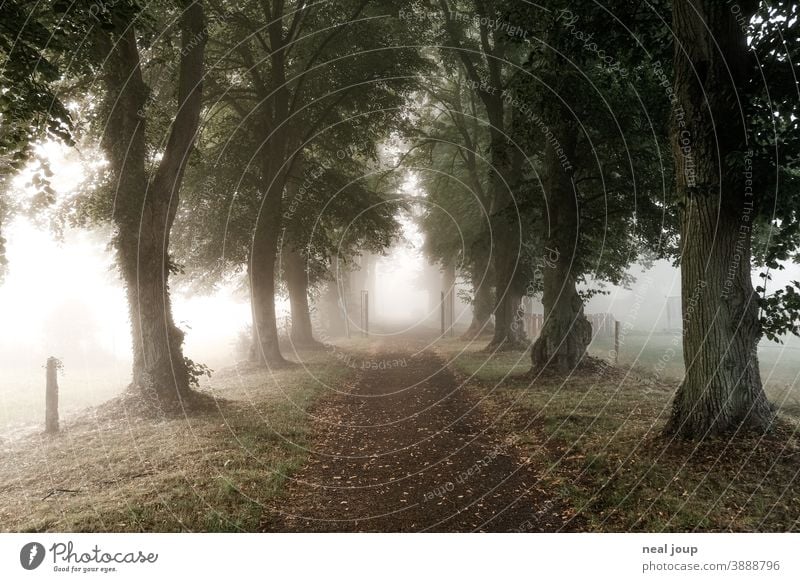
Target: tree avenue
{"x": 542, "y": 150}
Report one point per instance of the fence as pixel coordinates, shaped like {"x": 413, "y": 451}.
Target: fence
{"x": 602, "y": 324}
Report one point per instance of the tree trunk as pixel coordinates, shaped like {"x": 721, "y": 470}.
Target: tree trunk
{"x": 158, "y": 361}
{"x": 296, "y": 277}
{"x": 722, "y": 390}
{"x": 566, "y": 333}
{"x": 482, "y": 303}
{"x": 509, "y": 332}
{"x": 449, "y": 280}
{"x": 145, "y": 208}
{"x": 263, "y": 256}
{"x": 481, "y": 277}
{"x": 274, "y": 170}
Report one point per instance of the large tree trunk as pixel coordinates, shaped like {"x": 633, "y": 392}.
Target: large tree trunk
{"x": 158, "y": 361}
{"x": 722, "y": 389}
{"x": 509, "y": 331}
{"x": 296, "y": 277}
{"x": 566, "y": 332}
{"x": 145, "y": 209}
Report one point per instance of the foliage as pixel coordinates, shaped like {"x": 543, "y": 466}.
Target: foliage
{"x": 449, "y": 154}
{"x": 196, "y": 371}
{"x": 37, "y": 44}
{"x": 623, "y": 168}
{"x": 346, "y": 102}
{"x": 780, "y": 311}
{"x": 33, "y": 39}
{"x": 773, "y": 158}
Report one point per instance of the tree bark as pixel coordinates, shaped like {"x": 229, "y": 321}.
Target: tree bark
{"x": 145, "y": 208}
{"x": 566, "y": 333}
{"x": 274, "y": 170}
{"x": 721, "y": 391}
{"x": 263, "y": 257}
{"x": 509, "y": 332}
{"x": 296, "y": 277}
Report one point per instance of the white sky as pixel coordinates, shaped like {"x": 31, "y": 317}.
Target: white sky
{"x": 65, "y": 297}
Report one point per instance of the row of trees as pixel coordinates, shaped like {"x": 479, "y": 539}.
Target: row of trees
{"x": 241, "y": 138}
{"x": 559, "y": 142}
{"x": 584, "y": 138}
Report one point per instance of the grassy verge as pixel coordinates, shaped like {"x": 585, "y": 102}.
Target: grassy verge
{"x": 599, "y": 437}
{"x": 661, "y": 355}
{"x": 203, "y": 472}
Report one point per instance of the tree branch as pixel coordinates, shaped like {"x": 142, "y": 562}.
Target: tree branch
{"x": 315, "y": 55}
{"x": 190, "y": 99}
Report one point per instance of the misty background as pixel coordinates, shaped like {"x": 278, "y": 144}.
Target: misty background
{"x": 62, "y": 297}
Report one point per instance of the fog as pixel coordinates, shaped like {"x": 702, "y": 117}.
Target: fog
{"x": 62, "y": 297}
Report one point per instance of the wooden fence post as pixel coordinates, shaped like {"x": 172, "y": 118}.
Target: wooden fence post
{"x": 364, "y": 313}
{"x": 441, "y": 303}
{"x": 616, "y": 342}
{"x": 51, "y": 396}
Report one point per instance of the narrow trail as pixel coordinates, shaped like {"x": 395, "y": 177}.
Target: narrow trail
{"x": 404, "y": 451}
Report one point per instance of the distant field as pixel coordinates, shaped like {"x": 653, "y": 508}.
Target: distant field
{"x": 661, "y": 355}
{"x": 22, "y": 394}
{"x": 22, "y": 390}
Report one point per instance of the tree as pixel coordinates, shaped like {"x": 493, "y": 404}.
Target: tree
{"x": 449, "y": 155}
{"x": 484, "y": 54}
{"x": 340, "y": 211}
{"x": 594, "y": 131}
{"x": 146, "y": 194}
{"x": 35, "y": 39}
{"x": 725, "y": 138}
{"x": 337, "y": 203}
{"x": 289, "y": 72}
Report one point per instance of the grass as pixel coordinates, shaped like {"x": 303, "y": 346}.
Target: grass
{"x": 22, "y": 393}
{"x": 214, "y": 471}
{"x": 599, "y": 435}
{"x": 661, "y": 356}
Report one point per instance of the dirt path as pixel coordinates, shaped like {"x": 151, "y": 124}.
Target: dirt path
{"x": 404, "y": 451}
